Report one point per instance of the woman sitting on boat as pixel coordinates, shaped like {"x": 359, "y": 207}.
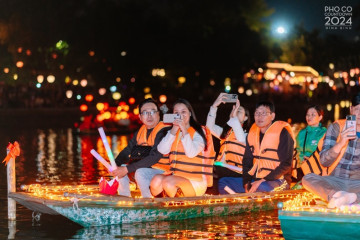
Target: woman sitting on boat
{"x": 191, "y": 155}
{"x": 308, "y": 138}
{"x": 149, "y": 135}
{"x": 232, "y": 137}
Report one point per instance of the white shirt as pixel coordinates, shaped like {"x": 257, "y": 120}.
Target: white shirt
{"x": 192, "y": 147}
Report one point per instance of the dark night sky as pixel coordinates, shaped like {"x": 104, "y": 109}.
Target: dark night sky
{"x": 311, "y": 14}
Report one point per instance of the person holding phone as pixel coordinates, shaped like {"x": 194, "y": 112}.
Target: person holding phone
{"x": 191, "y": 154}
{"x": 340, "y": 154}
{"x": 149, "y": 134}
{"x": 232, "y": 137}
{"x": 308, "y": 138}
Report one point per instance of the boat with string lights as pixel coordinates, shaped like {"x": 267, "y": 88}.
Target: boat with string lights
{"x": 307, "y": 217}
{"x": 87, "y": 207}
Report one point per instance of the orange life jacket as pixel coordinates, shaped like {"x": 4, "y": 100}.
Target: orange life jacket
{"x": 265, "y": 154}
{"x": 233, "y": 150}
{"x": 141, "y": 139}
{"x": 313, "y": 165}
{"x": 193, "y": 168}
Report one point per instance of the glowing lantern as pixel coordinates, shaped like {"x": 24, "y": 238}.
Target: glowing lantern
{"x": 19, "y": 50}
{"x": 102, "y": 91}
{"x": 126, "y": 108}
{"x": 113, "y": 89}
{"x": 99, "y": 118}
{"x": 241, "y": 90}
{"x": 15, "y": 76}
{"x": 38, "y": 85}
{"x": 6, "y": 70}
{"x": 329, "y": 107}
{"x": 162, "y": 98}
{"x": 83, "y": 107}
{"x": 100, "y": 106}
{"x": 148, "y": 96}
{"x": 181, "y": 80}
{"x": 107, "y": 115}
{"x": 67, "y": 79}
{"x": 91, "y": 53}
{"x": 116, "y": 95}
{"x": 118, "y": 79}
{"x": 83, "y": 82}
{"x": 146, "y": 90}
{"x": 61, "y": 67}
{"x": 136, "y": 111}
{"x": 19, "y": 64}
{"x": 28, "y": 52}
{"x": 131, "y": 100}
{"x": 89, "y": 97}
{"x": 75, "y": 82}
{"x": 132, "y": 80}
{"x": 331, "y": 66}
{"x": 212, "y": 82}
{"x": 106, "y": 106}
{"x": 248, "y": 92}
{"x": 69, "y": 93}
{"x": 123, "y": 53}
{"x": 54, "y": 56}
{"x": 124, "y": 115}
{"x": 50, "y": 78}
{"x": 122, "y": 103}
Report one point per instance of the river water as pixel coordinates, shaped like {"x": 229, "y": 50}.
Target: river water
{"x": 60, "y": 156}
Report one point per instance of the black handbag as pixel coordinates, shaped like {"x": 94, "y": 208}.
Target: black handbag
{"x": 139, "y": 152}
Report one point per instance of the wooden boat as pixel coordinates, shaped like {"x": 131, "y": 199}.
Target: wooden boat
{"x": 87, "y": 207}
{"x": 307, "y": 217}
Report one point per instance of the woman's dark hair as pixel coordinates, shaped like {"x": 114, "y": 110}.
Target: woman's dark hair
{"x": 193, "y": 122}
{"x": 246, "y": 125}
{"x": 148, "y": 100}
{"x": 317, "y": 108}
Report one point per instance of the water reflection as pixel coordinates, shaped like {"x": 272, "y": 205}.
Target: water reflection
{"x": 247, "y": 226}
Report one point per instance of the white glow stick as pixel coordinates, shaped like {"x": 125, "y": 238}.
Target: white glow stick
{"x": 229, "y": 190}
{"x": 102, "y": 160}
{"x": 232, "y": 167}
{"x": 107, "y": 147}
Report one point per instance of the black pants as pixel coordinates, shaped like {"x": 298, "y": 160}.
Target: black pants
{"x": 220, "y": 172}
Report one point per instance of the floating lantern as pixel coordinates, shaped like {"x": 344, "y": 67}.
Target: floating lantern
{"x": 212, "y": 82}
{"x": 69, "y": 93}
{"x": 89, "y": 97}
{"x": 102, "y": 91}
{"x": 148, "y": 96}
{"x": 181, "y": 80}
{"x": 75, "y": 82}
{"x": 162, "y": 98}
{"x": 83, "y": 82}
{"x": 91, "y": 53}
{"x": 15, "y": 76}
{"x": 116, "y": 95}
{"x": 118, "y": 79}
{"x": 6, "y": 70}
{"x": 100, "y": 106}
{"x": 67, "y": 79}
{"x": 146, "y": 90}
{"x": 83, "y": 107}
{"x": 19, "y": 64}
{"x": 241, "y": 90}
{"x": 113, "y": 89}
{"x": 131, "y": 100}
{"x": 50, "y": 78}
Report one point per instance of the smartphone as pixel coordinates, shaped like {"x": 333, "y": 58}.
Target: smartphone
{"x": 230, "y": 98}
{"x": 351, "y": 123}
{"x": 170, "y": 118}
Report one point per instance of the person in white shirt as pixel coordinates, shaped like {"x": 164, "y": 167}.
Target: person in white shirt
{"x": 185, "y": 144}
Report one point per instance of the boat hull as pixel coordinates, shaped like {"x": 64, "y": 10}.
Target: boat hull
{"x": 88, "y": 210}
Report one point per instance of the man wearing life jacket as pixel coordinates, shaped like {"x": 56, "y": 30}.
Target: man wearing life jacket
{"x": 150, "y": 134}
{"x": 268, "y": 154}
{"x": 341, "y": 155}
